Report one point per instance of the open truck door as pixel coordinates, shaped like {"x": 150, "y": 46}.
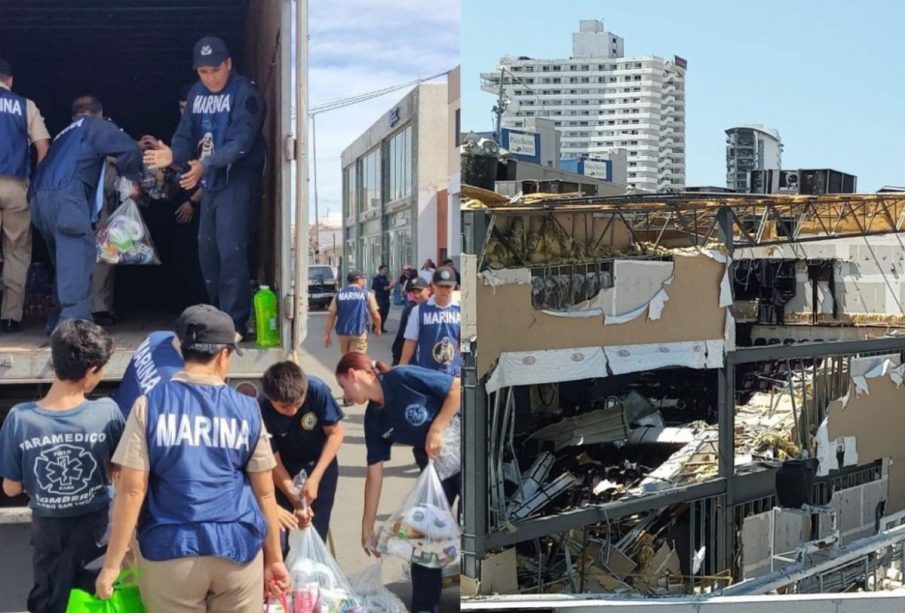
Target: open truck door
{"x": 297, "y": 151}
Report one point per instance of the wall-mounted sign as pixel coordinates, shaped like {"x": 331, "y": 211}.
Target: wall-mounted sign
{"x": 394, "y": 117}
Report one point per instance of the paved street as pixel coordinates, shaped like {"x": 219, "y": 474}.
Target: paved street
{"x": 399, "y": 476}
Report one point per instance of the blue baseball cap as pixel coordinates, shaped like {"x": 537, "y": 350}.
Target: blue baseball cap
{"x": 209, "y": 51}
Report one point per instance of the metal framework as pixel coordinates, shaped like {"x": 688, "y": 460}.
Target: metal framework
{"x": 734, "y": 221}
{"x": 749, "y": 220}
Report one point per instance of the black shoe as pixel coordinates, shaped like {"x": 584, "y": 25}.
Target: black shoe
{"x": 10, "y": 325}
{"x": 105, "y": 318}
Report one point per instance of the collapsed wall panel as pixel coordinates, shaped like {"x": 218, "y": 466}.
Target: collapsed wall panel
{"x": 510, "y": 323}
{"x": 871, "y": 415}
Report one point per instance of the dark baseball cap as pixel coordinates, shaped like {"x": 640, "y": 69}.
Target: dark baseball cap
{"x": 444, "y": 276}
{"x": 416, "y": 283}
{"x": 206, "y": 328}
{"x": 354, "y": 275}
{"x": 209, "y": 51}
{"x": 5, "y": 67}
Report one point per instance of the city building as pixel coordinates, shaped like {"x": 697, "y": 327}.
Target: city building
{"x": 394, "y": 184}
{"x": 530, "y": 162}
{"x": 601, "y": 101}
{"x": 326, "y": 241}
{"x": 750, "y": 147}
{"x": 452, "y": 245}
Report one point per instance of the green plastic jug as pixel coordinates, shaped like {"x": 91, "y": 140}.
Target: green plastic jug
{"x": 268, "y": 333}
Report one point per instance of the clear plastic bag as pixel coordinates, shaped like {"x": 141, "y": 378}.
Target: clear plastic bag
{"x": 279, "y": 604}
{"x": 368, "y": 585}
{"x": 449, "y": 462}
{"x": 424, "y": 531}
{"x": 124, "y": 238}
{"x": 318, "y": 583}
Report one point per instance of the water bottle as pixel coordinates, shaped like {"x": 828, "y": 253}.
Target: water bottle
{"x": 268, "y": 334}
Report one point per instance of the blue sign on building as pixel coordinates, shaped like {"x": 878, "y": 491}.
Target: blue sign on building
{"x": 523, "y": 146}
{"x": 589, "y": 167}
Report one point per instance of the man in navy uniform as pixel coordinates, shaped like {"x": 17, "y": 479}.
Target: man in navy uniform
{"x": 349, "y": 311}
{"x": 155, "y": 361}
{"x": 67, "y": 198}
{"x": 21, "y": 125}
{"x": 219, "y": 140}
{"x": 306, "y": 431}
{"x": 416, "y": 293}
{"x": 382, "y": 285}
{"x": 434, "y": 328}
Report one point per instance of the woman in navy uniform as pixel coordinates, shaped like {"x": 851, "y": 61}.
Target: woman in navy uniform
{"x": 412, "y": 406}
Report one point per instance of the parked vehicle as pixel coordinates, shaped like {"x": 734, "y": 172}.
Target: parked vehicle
{"x": 322, "y": 286}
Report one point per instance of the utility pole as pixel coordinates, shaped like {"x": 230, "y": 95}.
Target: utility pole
{"x": 317, "y": 232}
{"x": 500, "y": 107}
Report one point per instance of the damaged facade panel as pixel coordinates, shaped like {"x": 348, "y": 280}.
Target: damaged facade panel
{"x": 843, "y": 281}
{"x": 692, "y": 314}
{"x": 869, "y": 420}
{"x": 616, "y": 346}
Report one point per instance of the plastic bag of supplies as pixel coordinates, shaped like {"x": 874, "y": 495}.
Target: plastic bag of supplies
{"x": 126, "y": 597}
{"x": 424, "y": 531}
{"x": 124, "y": 238}
{"x": 376, "y": 598}
{"x": 449, "y": 462}
{"x": 318, "y": 584}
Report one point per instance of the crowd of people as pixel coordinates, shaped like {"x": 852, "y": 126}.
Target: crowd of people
{"x": 176, "y": 441}
{"x": 179, "y": 474}
{"x": 208, "y": 179}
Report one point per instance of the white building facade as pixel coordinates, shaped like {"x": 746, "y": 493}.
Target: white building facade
{"x": 394, "y": 178}
{"x": 750, "y": 147}
{"x": 602, "y": 101}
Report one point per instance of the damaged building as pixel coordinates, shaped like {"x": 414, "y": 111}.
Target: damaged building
{"x": 682, "y": 394}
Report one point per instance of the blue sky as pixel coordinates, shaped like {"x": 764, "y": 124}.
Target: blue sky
{"x": 826, "y": 74}
{"x": 358, "y": 46}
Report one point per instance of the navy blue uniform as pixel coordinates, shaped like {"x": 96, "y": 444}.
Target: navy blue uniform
{"x": 200, "y": 439}
{"x": 412, "y": 400}
{"x": 64, "y": 205}
{"x": 351, "y": 311}
{"x": 223, "y": 130}
{"x": 381, "y": 288}
{"x": 300, "y": 441}
{"x": 399, "y": 341}
{"x": 155, "y": 361}
{"x": 13, "y": 134}
{"x": 437, "y": 330}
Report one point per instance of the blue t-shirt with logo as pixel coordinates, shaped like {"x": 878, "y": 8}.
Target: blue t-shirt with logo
{"x": 412, "y": 399}
{"x": 300, "y": 439}
{"x": 155, "y": 361}
{"x": 61, "y": 457}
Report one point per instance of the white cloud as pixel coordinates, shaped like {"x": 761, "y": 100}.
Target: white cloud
{"x": 357, "y": 46}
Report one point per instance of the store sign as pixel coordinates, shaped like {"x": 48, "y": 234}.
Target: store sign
{"x": 394, "y": 117}
{"x": 599, "y": 169}
{"x": 522, "y": 144}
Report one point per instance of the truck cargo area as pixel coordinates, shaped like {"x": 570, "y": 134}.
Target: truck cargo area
{"x": 135, "y": 55}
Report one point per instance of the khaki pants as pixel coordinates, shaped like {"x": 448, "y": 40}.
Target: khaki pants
{"x": 353, "y": 343}
{"x": 15, "y": 225}
{"x": 202, "y": 584}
